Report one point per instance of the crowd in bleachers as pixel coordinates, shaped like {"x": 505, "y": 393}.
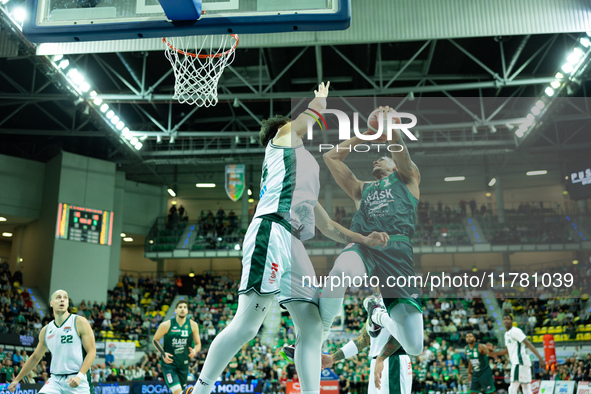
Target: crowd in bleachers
{"x": 17, "y": 314}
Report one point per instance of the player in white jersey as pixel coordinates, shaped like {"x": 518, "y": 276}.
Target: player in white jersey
{"x": 520, "y": 361}
{"x": 70, "y": 340}
{"x": 385, "y": 354}
{"x": 274, "y": 259}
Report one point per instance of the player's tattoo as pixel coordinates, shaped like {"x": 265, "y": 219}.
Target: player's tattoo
{"x": 338, "y": 355}
{"x": 390, "y": 348}
{"x": 362, "y": 341}
{"x": 344, "y": 237}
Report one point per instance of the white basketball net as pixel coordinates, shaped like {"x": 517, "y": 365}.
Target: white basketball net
{"x": 196, "y": 73}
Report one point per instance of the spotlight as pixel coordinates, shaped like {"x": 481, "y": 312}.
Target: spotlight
{"x": 172, "y": 139}
{"x": 493, "y": 129}
{"x": 236, "y": 103}
{"x": 159, "y": 139}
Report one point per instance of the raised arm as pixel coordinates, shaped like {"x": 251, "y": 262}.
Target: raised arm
{"x": 87, "y": 337}
{"x": 404, "y": 165}
{"x": 338, "y": 233}
{"x": 299, "y": 126}
{"x": 344, "y": 177}
{"x": 162, "y": 330}
{"x": 32, "y": 361}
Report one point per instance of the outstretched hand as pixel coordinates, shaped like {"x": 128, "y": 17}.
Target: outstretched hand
{"x": 322, "y": 90}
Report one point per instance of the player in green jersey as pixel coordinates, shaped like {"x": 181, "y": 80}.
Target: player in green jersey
{"x": 178, "y": 333}
{"x": 479, "y": 372}
{"x": 386, "y": 204}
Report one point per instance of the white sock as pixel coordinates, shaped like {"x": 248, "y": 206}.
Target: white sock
{"x": 204, "y": 385}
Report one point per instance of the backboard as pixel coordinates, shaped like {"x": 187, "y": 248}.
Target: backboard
{"x": 97, "y": 20}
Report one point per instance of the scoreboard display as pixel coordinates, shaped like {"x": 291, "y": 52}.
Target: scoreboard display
{"x": 579, "y": 181}
{"x": 81, "y": 224}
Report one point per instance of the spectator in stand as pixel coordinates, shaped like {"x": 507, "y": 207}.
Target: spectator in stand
{"x": 472, "y": 204}
{"x": 462, "y": 204}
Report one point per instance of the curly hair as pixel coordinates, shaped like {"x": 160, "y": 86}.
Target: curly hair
{"x": 270, "y": 128}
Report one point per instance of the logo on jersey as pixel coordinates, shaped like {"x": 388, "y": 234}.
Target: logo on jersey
{"x": 274, "y": 270}
{"x": 201, "y": 382}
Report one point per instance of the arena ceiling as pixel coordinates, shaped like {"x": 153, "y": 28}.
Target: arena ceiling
{"x": 41, "y": 116}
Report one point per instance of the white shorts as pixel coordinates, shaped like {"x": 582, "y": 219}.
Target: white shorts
{"x": 521, "y": 374}
{"x": 275, "y": 262}
{"x": 57, "y": 385}
{"x": 396, "y": 376}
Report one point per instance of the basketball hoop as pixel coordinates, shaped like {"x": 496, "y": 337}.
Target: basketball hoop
{"x": 198, "y": 63}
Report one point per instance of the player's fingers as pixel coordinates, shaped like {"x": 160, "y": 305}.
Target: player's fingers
{"x": 327, "y": 84}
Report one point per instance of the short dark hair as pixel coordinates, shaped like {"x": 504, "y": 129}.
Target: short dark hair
{"x": 181, "y": 302}
{"x": 509, "y": 316}
{"x": 270, "y": 127}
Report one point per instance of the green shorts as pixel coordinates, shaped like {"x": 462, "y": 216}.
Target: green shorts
{"x": 483, "y": 382}
{"x": 393, "y": 265}
{"x": 174, "y": 376}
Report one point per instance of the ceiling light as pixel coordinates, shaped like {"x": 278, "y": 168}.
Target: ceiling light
{"x": 110, "y": 114}
{"x": 134, "y": 141}
{"x": 171, "y": 139}
{"x": 519, "y": 133}
{"x": 171, "y": 192}
{"x": 115, "y": 119}
{"x": 574, "y": 57}
{"x": 549, "y": 91}
{"x": 173, "y": 202}
{"x": 57, "y": 58}
{"x": 555, "y": 84}
{"x": 492, "y": 182}
{"x": 123, "y": 235}
{"x": 93, "y": 93}
{"x": 438, "y": 243}
{"x": 98, "y": 101}
{"x": 533, "y": 173}
{"x": 85, "y": 87}
{"x": 138, "y": 146}
{"x": 159, "y": 138}
{"x": 2, "y": 219}
{"x": 8, "y": 235}
{"x": 237, "y": 247}
{"x": 251, "y": 200}
{"x": 493, "y": 129}
{"x": 535, "y": 110}
{"x": 558, "y": 76}
{"x": 575, "y": 262}
{"x": 192, "y": 274}
{"x": 120, "y": 125}
{"x": 454, "y": 178}
{"x": 20, "y": 14}
{"x": 474, "y": 129}
{"x": 64, "y": 63}
{"x": 585, "y": 42}
{"x": 488, "y": 194}
{"x": 249, "y": 192}
{"x": 104, "y": 107}
{"x": 205, "y": 184}
{"x": 567, "y": 68}
{"x": 128, "y": 239}
{"x": 540, "y": 104}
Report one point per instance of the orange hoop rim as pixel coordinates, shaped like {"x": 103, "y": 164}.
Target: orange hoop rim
{"x": 200, "y": 56}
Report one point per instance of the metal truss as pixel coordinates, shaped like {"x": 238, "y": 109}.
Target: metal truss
{"x": 139, "y": 86}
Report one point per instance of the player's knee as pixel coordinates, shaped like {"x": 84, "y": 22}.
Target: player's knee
{"x": 414, "y": 348}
